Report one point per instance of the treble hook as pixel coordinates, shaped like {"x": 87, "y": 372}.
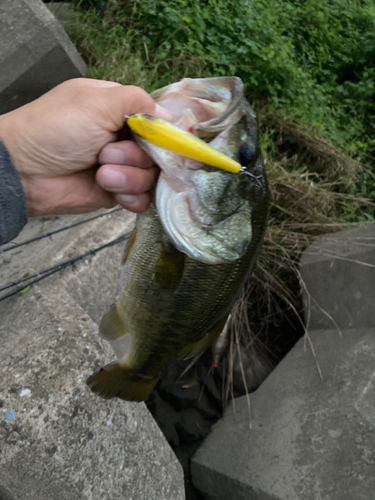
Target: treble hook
{"x": 256, "y": 177}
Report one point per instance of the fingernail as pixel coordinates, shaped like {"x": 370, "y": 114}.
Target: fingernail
{"x": 112, "y": 179}
{"x": 163, "y": 113}
{"x": 128, "y": 199}
{"x": 113, "y": 156}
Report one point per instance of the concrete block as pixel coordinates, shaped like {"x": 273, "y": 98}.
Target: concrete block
{"x": 35, "y": 53}
{"x": 58, "y": 440}
{"x": 306, "y": 437}
{"x": 339, "y": 274}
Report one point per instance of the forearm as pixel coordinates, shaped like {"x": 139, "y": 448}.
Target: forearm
{"x": 12, "y": 199}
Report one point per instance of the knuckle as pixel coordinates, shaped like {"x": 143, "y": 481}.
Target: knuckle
{"x": 136, "y": 91}
{"x": 138, "y": 96}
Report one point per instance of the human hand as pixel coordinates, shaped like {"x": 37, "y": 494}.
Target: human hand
{"x": 58, "y": 141}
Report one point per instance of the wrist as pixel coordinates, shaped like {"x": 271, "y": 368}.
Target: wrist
{"x": 9, "y": 135}
{"x": 12, "y": 199}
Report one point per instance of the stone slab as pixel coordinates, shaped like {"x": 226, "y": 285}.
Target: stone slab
{"x": 36, "y": 54}
{"x": 307, "y": 438}
{"x": 338, "y": 271}
{"x": 57, "y": 439}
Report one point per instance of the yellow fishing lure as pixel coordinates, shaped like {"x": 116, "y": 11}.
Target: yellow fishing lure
{"x": 168, "y": 136}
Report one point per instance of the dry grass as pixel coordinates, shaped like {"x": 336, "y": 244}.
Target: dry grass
{"x": 304, "y": 205}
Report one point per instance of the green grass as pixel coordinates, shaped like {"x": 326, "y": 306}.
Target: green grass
{"x": 313, "y": 58}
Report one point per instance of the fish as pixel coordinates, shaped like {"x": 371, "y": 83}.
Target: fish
{"x": 193, "y": 249}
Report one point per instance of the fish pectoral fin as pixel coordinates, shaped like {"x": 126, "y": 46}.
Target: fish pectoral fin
{"x": 169, "y": 268}
{"x": 129, "y": 246}
{"x": 112, "y": 325}
{"x": 205, "y": 342}
{"x": 117, "y": 381}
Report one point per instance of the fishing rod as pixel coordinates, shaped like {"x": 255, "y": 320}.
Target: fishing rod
{"x": 44, "y": 273}
{"x": 31, "y": 240}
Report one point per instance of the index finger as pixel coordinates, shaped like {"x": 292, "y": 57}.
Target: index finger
{"x": 126, "y": 100}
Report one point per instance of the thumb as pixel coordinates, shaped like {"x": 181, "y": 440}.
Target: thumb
{"x": 126, "y": 100}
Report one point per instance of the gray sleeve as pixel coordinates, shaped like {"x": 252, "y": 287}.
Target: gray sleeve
{"x": 13, "y": 214}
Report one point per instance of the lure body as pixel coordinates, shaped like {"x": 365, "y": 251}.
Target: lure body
{"x": 168, "y": 136}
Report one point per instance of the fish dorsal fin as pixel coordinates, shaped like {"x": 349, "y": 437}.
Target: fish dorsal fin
{"x": 112, "y": 325}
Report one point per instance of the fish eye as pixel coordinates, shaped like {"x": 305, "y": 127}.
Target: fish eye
{"x": 246, "y": 153}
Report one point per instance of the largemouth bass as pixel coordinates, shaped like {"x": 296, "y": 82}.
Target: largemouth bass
{"x": 193, "y": 249}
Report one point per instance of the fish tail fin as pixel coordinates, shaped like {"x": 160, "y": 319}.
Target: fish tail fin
{"x": 117, "y": 380}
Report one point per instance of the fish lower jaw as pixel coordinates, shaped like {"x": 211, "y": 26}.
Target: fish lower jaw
{"x": 210, "y": 245}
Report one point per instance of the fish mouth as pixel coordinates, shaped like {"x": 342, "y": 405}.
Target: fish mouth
{"x": 189, "y": 194}
{"x": 203, "y": 106}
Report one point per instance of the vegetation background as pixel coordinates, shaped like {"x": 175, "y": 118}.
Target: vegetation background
{"x": 309, "y": 71}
